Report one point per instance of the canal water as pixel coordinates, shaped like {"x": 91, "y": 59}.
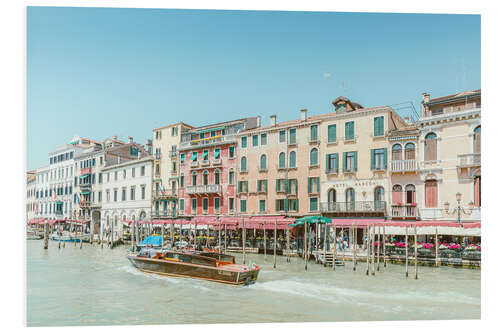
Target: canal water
{"x": 94, "y": 286}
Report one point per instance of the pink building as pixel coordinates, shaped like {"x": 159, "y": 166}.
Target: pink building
{"x": 207, "y": 165}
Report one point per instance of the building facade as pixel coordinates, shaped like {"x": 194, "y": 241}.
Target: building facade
{"x": 31, "y": 206}
{"x": 126, "y": 191}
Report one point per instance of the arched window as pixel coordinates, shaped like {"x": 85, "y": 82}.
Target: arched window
{"x": 313, "y": 160}
{"x": 477, "y": 140}
{"x": 281, "y": 160}
{"x": 142, "y": 217}
{"x": 332, "y": 199}
{"x": 350, "y": 199}
{"x": 430, "y": 147}
{"x": 292, "y": 159}
{"x": 397, "y": 195}
{"x": 410, "y": 194}
{"x": 431, "y": 193}
{"x": 379, "y": 198}
{"x": 263, "y": 162}
{"x": 205, "y": 177}
{"x": 217, "y": 177}
{"x": 409, "y": 151}
{"x": 243, "y": 164}
{"x": 193, "y": 178}
{"x": 397, "y": 152}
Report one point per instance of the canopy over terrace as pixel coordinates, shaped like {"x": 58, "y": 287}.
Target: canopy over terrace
{"x": 42, "y": 221}
{"x": 429, "y": 227}
{"x": 311, "y": 220}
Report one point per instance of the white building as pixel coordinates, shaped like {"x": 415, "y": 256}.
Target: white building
{"x": 126, "y": 189}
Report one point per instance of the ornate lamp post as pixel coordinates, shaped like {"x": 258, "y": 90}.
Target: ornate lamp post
{"x": 459, "y": 209}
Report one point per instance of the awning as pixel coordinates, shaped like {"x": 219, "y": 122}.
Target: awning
{"x": 83, "y": 176}
{"x": 217, "y": 153}
{"x": 311, "y": 219}
{"x": 360, "y": 222}
{"x": 59, "y": 202}
{"x": 195, "y": 155}
{"x": 205, "y": 153}
{"x": 86, "y": 192}
{"x": 209, "y": 130}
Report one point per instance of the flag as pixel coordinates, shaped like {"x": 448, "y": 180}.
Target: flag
{"x": 77, "y": 198}
{"x": 163, "y": 190}
{"x": 36, "y": 208}
{"x": 54, "y": 193}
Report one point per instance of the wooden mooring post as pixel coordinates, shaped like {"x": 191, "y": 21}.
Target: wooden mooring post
{"x": 343, "y": 245}
{"x": 288, "y": 245}
{"x": 46, "y": 235}
{"x": 265, "y": 241}
{"x": 373, "y": 251}
{"x": 334, "y": 246}
{"x": 225, "y": 237}
{"x": 81, "y": 237}
{"x": 368, "y": 244}
{"x": 162, "y": 234}
{"x": 317, "y": 242}
{"x": 132, "y": 236}
{"x": 220, "y": 235}
{"x": 378, "y": 249}
{"x": 325, "y": 237}
{"x": 406, "y": 251}
{"x": 383, "y": 240}
{"x": 436, "y": 245}
{"x": 305, "y": 244}
{"x": 275, "y": 231}
{"x": 244, "y": 237}
{"x": 416, "y": 252}
{"x": 355, "y": 245}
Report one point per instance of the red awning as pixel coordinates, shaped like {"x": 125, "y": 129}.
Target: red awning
{"x": 359, "y": 223}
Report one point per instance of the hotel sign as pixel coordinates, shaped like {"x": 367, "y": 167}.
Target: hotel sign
{"x": 357, "y": 183}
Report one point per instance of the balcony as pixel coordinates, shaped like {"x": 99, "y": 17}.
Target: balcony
{"x": 404, "y": 166}
{"x": 354, "y": 207}
{"x": 314, "y": 139}
{"x": 168, "y": 193}
{"x": 469, "y": 160}
{"x": 206, "y": 142}
{"x": 216, "y": 161}
{"x": 292, "y": 142}
{"x": 193, "y": 164}
{"x": 204, "y": 189}
{"x": 205, "y": 163}
{"x": 439, "y": 214}
{"x": 404, "y": 211}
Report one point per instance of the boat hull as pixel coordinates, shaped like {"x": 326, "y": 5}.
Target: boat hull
{"x": 176, "y": 269}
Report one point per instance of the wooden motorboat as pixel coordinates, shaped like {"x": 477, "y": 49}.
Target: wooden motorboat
{"x": 210, "y": 266}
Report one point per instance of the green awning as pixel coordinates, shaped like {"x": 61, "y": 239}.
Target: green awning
{"x": 86, "y": 192}
{"x": 311, "y": 220}
{"x": 195, "y": 155}
{"x": 59, "y": 202}
{"x": 217, "y": 153}
{"x": 83, "y": 176}
{"x": 205, "y": 153}
{"x": 209, "y": 130}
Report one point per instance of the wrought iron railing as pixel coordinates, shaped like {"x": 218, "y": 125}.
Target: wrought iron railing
{"x": 356, "y": 206}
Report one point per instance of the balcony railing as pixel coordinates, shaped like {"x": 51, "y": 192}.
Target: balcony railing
{"x": 193, "y": 164}
{"x": 216, "y": 161}
{"x": 203, "y": 189}
{"x": 314, "y": 139}
{"x": 404, "y": 165}
{"x": 209, "y": 141}
{"x": 469, "y": 160}
{"x": 205, "y": 162}
{"x": 157, "y": 194}
{"x": 357, "y": 206}
{"x": 404, "y": 211}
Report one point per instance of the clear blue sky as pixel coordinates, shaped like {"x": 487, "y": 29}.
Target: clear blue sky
{"x": 100, "y": 72}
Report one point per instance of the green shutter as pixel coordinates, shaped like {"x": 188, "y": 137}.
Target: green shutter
{"x": 344, "y": 161}
{"x": 332, "y": 133}
{"x": 385, "y": 158}
{"x": 336, "y": 162}
{"x": 317, "y": 184}
{"x": 327, "y": 160}
{"x": 287, "y": 188}
{"x": 286, "y": 205}
{"x": 277, "y": 185}
{"x": 355, "y": 161}
{"x": 308, "y": 185}
{"x": 265, "y": 185}
{"x": 239, "y": 186}
{"x": 277, "y": 205}
{"x": 372, "y": 160}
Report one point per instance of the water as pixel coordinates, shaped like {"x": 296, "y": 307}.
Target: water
{"x": 94, "y": 286}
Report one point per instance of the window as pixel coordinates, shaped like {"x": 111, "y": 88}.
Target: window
{"x": 282, "y": 161}
{"x": 430, "y": 147}
{"x": 262, "y": 206}
{"x": 379, "y": 159}
{"x": 431, "y": 193}
{"x": 332, "y": 163}
{"x": 158, "y": 153}
{"x": 231, "y": 152}
{"x": 332, "y": 199}
{"x": 263, "y": 139}
{"x": 133, "y": 172}
{"x": 217, "y": 204}
{"x": 217, "y": 153}
{"x": 181, "y": 204}
{"x": 314, "y": 133}
{"x": 115, "y": 195}
{"x": 231, "y": 177}
{"x": 231, "y": 204}
{"x": 157, "y": 169}
{"x": 280, "y": 204}
{"x": 116, "y": 175}
{"x": 99, "y": 196}
{"x": 143, "y": 192}
{"x": 194, "y": 205}
{"x": 349, "y": 130}
{"x": 217, "y": 177}
{"x": 205, "y": 205}
{"x": 255, "y": 140}
{"x": 263, "y": 162}
{"x": 350, "y": 161}
{"x": 350, "y": 198}
{"x": 132, "y": 193}
{"x": 174, "y": 167}
{"x": 243, "y": 166}
{"x": 292, "y": 163}
{"x": 313, "y": 157}
{"x": 378, "y": 126}
{"x": 183, "y": 157}
{"x": 292, "y": 188}
{"x": 397, "y": 152}
{"x": 313, "y": 204}
{"x": 107, "y": 177}
{"x": 292, "y": 136}
{"x": 124, "y": 194}
{"x": 293, "y": 204}
{"x": 262, "y": 185}
{"x": 410, "y": 194}
{"x": 193, "y": 179}
{"x": 143, "y": 170}
{"x": 477, "y": 140}
{"x": 397, "y": 195}
{"x": 205, "y": 177}
{"x": 194, "y": 156}
{"x": 410, "y": 151}
{"x": 243, "y": 142}
{"x": 243, "y": 206}
{"x": 379, "y": 197}
{"x": 243, "y": 186}
{"x": 313, "y": 185}
{"x": 107, "y": 196}
{"x": 282, "y": 136}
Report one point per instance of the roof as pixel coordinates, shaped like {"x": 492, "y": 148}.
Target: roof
{"x": 171, "y": 125}
{"x": 459, "y": 95}
{"x": 222, "y": 123}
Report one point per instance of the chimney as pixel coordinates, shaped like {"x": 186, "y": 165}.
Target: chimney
{"x": 425, "y": 97}
{"x": 259, "y": 121}
{"x": 303, "y": 114}
{"x": 273, "y": 120}
{"x": 115, "y": 138}
{"x": 130, "y": 139}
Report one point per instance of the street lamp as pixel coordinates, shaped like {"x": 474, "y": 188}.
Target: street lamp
{"x": 459, "y": 209}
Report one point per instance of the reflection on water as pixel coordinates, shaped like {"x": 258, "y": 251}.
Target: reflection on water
{"x": 94, "y": 286}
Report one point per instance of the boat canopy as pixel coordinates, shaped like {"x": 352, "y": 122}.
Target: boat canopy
{"x": 151, "y": 240}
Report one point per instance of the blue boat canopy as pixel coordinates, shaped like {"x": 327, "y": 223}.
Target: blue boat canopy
{"x": 151, "y": 240}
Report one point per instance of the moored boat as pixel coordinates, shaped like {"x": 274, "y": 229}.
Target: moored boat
{"x": 199, "y": 265}
{"x": 69, "y": 237}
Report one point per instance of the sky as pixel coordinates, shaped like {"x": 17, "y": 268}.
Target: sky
{"x": 100, "y": 72}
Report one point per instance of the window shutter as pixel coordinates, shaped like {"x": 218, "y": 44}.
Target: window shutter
{"x": 372, "y": 154}
{"x": 327, "y": 162}
{"x": 308, "y": 185}
{"x": 258, "y": 185}
{"x": 355, "y": 161}
{"x": 239, "y": 186}
{"x": 277, "y": 185}
{"x": 344, "y": 161}
{"x": 287, "y": 188}
{"x": 385, "y": 158}
{"x": 286, "y": 205}
{"x": 317, "y": 184}
{"x": 277, "y": 205}
{"x": 336, "y": 162}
